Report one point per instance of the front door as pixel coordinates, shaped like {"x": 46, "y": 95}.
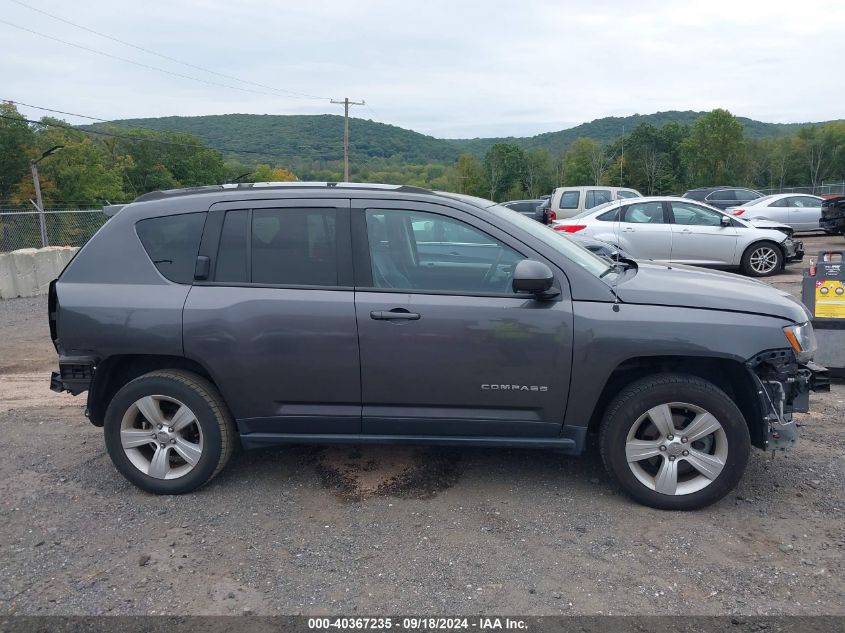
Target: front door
{"x": 447, "y": 347}
{"x": 804, "y": 213}
{"x": 644, "y": 231}
{"x": 274, "y": 322}
{"x": 698, "y": 236}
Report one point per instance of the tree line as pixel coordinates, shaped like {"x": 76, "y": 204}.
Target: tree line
{"x": 121, "y": 163}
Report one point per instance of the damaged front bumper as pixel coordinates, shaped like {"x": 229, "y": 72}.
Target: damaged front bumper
{"x": 783, "y": 388}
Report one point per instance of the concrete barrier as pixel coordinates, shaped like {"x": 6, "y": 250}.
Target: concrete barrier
{"x": 29, "y": 271}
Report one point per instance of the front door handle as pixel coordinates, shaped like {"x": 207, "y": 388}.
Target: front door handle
{"x": 396, "y": 314}
{"x": 628, "y": 229}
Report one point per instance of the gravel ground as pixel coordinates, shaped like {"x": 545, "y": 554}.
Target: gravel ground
{"x": 396, "y": 529}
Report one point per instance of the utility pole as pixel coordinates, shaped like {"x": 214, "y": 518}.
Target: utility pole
{"x": 346, "y": 103}
{"x": 33, "y": 166}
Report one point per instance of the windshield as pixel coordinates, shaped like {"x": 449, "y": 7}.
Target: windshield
{"x": 562, "y": 244}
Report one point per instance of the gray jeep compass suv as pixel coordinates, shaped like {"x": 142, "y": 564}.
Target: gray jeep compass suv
{"x": 268, "y": 314}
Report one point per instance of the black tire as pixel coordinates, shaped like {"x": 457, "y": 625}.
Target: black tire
{"x": 211, "y": 414}
{"x": 644, "y": 394}
{"x": 749, "y": 269}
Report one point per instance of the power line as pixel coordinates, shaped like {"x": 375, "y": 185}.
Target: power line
{"x": 167, "y": 57}
{"x": 142, "y": 65}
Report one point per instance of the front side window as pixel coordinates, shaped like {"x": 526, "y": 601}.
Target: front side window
{"x": 596, "y": 197}
{"x": 570, "y": 199}
{"x": 644, "y": 213}
{"x": 693, "y": 215}
{"x": 287, "y": 247}
{"x": 415, "y": 250}
{"x": 172, "y": 243}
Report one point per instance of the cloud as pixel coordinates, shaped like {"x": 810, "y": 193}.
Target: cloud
{"x": 445, "y": 68}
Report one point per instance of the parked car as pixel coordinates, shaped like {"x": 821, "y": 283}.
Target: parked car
{"x": 678, "y": 230}
{"x": 723, "y": 197}
{"x": 530, "y": 208}
{"x": 566, "y": 202}
{"x": 342, "y": 313}
{"x": 833, "y": 215}
{"x": 800, "y": 211}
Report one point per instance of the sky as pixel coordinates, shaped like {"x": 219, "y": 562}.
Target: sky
{"x": 451, "y": 69}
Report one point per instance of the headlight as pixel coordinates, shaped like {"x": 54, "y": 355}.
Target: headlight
{"x": 802, "y": 339}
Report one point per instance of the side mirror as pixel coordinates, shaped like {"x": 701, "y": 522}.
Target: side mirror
{"x": 535, "y": 277}
{"x": 725, "y": 221}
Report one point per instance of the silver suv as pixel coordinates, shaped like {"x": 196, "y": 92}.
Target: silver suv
{"x": 327, "y": 313}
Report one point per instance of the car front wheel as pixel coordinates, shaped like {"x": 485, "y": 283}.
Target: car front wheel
{"x": 762, "y": 259}
{"x": 674, "y": 442}
{"x": 169, "y": 432}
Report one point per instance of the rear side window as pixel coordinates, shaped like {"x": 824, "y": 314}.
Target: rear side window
{"x": 745, "y": 195}
{"x": 569, "y": 199}
{"x": 723, "y": 195}
{"x": 286, "y": 247}
{"x": 172, "y": 243}
{"x": 596, "y": 197}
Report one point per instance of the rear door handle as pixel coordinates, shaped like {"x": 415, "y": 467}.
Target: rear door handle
{"x": 396, "y": 314}
{"x": 628, "y": 229}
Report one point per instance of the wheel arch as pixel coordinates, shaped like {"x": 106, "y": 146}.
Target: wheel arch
{"x": 114, "y": 372}
{"x": 730, "y": 375}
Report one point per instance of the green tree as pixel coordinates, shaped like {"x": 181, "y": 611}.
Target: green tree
{"x": 17, "y": 145}
{"x": 504, "y": 164}
{"x": 577, "y": 162}
{"x": 469, "y": 175}
{"x": 714, "y": 152}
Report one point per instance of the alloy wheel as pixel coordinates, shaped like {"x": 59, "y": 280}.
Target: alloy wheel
{"x": 676, "y": 448}
{"x": 161, "y": 437}
{"x": 763, "y": 260}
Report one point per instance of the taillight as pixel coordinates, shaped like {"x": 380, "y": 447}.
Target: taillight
{"x": 552, "y": 216}
{"x": 570, "y": 228}
{"x": 739, "y": 211}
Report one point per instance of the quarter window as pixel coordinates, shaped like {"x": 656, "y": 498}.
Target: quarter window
{"x": 414, "y": 250}
{"x": 172, "y": 243}
{"x": 595, "y": 197}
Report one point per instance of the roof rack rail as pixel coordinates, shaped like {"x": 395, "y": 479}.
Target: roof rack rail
{"x": 168, "y": 193}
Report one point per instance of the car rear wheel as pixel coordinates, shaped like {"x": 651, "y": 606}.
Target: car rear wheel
{"x": 674, "y": 442}
{"x": 169, "y": 432}
{"x": 762, "y": 259}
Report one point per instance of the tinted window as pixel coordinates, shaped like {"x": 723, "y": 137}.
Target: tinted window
{"x": 723, "y": 194}
{"x": 172, "y": 243}
{"x": 294, "y": 247}
{"x": 626, "y": 194}
{"x": 744, "y": 195}
{"x": 569, "y": 199}
{"x": 231, "y": 263}
{"x": 414, "y": 250}
{"x": 595, "y": 197}
{"x": 644, "y": 213}
{"x": 693, "y": 215}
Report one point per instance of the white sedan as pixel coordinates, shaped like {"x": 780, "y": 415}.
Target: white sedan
{"x": 683, "y": 231}
{"x": 800, "y": 211}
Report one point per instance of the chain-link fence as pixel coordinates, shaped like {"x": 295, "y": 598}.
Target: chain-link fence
{"x": 824, "y": 189}
{"x": 64, "y": 227}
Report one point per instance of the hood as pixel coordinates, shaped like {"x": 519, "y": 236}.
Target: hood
{"x": 691, "y": 287}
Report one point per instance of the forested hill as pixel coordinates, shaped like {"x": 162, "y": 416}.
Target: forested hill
{"x": 296, "y": 140}
{"x": 610, "y": 128}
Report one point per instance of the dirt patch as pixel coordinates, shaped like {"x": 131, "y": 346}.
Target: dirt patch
{"x": 32, "y": 391}
{"x": 360, "y": 472}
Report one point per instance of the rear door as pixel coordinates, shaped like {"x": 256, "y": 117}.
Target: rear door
{"x": 447, "y": 348}
{"x": 804, "y": 212}
{"x": 274, "y": 322}
{"x": 698, "y": 236}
